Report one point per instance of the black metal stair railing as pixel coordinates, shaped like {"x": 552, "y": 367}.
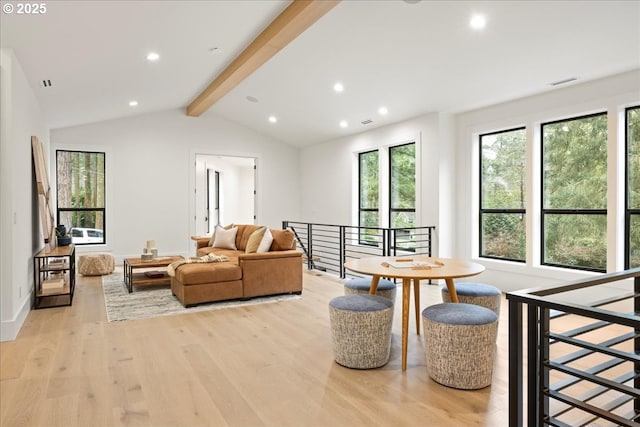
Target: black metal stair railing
{"x": 327, "y": 247}
{"x": 579, "y": 350}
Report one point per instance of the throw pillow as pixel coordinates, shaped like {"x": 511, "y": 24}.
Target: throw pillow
{"x": 225, "y": 239}
{"x": 254, "y": 240}
{"x": 213, "y": 235}
{"x": 265, "y": 243}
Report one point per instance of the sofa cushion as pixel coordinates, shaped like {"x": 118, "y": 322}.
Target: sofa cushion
{"x": 254, "y": 240}
{"x": 225, "y": 239}
{"x": 265, "y": 243}
{"x": 213, "y": 235}
{"x": 244, "y": 233}
{"x": 194, "y": 274}
{"x": 283, "y": 240}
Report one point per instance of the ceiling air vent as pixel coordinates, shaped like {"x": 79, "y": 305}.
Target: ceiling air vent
{"x": 366, "y": 122}
{"x": 46, "y": 83}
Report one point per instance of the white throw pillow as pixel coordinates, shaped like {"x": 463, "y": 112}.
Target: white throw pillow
{"x": 225, "y": 239}
{"x": 265, "y": 243}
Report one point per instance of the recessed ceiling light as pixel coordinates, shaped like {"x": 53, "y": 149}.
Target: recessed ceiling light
{"x": 338, "y": 87}
{"x": 273, "y": 119}
{"x": 252, "y": 98}
{"x": 214, "y": 50}
{"x": 152, "y": 56}
{"x": 133, "y": 103}
{"x": 382, "y": 111}
{"x": 343, "y": 124}
{"x": 478, "y": 22}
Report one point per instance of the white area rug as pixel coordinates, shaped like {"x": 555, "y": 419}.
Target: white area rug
{"x": 152, "y": 301}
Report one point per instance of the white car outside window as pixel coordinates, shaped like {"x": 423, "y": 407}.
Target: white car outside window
{"x": 86, "y": 235}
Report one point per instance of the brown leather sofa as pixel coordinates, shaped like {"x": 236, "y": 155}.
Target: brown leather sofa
{"x": 245, "y": 275}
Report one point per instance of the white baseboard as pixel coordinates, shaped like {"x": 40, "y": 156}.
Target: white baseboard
{"x": 9, "y": 329}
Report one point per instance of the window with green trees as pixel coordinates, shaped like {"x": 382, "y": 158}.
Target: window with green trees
{"x": 632, "y": 126}
{"x": 368, "y": 196}
{"x": 574, "y": 192}
{"x": 402, "y": 192}
{"x": 502, "y": 195}
{"x": 80, "y": 178}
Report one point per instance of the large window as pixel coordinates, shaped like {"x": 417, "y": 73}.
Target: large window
{"x": 368, "y": 196}
{"x": 574, "y": 193}
{"x": 80, "y": 181}
{"x": 402, "y": 186}
{"x": 502, "y": 195}
{"x": 402, "y": 194}
{"x": 632, "y": 126}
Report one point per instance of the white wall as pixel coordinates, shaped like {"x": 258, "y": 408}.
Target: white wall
{"x": 611, "y": 94}
{"x": 20, "y": 118}
{"x": 329, "y": 173}
{"x": 151, "y": 175}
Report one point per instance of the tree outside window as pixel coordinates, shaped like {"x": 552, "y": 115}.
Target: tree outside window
{"x": 502, "y": 195}
{"x": 402, "y": 194}
{"x": 80, "y": 178}
{"x": 633, "y": 188}
{"x": 368, "y": 211}
{"x": 574, "y": 193}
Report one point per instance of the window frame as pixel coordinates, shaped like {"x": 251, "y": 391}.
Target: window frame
{"x": 391, "y": 208}
{"x": 564, "y": 211}
{"x": 361, "y": 227}
{"x": 629, "y": 211}
{"x": 103, "y": 210}
{"x": 483, "y": 211}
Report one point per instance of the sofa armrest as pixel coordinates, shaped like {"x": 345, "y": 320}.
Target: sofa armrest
{"x": 271, "y": 273}
{"x": 201, "y": 241}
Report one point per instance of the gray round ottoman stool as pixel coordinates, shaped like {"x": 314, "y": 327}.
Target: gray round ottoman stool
{"x": 460, "y": 342}
{"x": 476, "y": 293}
{"x": 361, "y": 285}
{"x": 361, "y": 330}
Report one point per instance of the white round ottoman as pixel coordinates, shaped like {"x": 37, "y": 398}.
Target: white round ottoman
{"x": 476, "y": 293}
{"x": 386, "y": 288}
{"x": 96, "y": 264}
{"x": 361, "y": 330}
{"x": 460, "y": 341}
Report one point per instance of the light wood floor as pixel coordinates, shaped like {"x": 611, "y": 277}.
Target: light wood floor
{"x": 261, "y": 365}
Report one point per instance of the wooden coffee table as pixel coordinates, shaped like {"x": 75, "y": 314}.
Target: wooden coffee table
{"x": 132, "y": 279}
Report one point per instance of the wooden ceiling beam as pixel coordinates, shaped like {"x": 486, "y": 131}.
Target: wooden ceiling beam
{"x": 292, "y": 22}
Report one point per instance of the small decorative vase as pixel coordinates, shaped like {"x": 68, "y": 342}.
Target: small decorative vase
{"x": 64, "y": 240}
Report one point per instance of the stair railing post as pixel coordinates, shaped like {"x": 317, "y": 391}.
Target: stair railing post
{"x": 343, "y": 251}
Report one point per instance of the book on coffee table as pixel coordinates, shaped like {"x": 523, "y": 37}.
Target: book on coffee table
{"x": 154, "y": 274}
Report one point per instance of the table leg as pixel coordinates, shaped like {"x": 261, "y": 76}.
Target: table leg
{"x": 406, "y": 296}
{"x": 452, "y": 290}
{"x": 416, "y": 297}
{"x": 374, "y": 284}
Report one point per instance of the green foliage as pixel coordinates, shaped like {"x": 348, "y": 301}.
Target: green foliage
{"x": 503, "y": 170}
{"x": 403, "y": 178}
{"x": 81, "y": 185}
{"x": 503, "y": 187}
{"x": 369, "y": 180}
{"x": 575, "y": 163}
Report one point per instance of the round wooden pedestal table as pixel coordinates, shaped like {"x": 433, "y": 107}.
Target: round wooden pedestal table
{"x": 413, "y": 268}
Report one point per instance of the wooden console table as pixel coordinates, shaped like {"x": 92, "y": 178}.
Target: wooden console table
{"x": 54, "y": 277}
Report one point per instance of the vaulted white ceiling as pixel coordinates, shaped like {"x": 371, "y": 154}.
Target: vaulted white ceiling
{"x": 412, "y": 58}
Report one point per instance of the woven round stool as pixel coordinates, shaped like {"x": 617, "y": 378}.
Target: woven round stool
{"x": 361, "y": 285}
{"x": 361, "y": 330}
{"x": 460, "y": 342}
{"x": 476, "y": 293}
{"x": 96, "y": 264}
